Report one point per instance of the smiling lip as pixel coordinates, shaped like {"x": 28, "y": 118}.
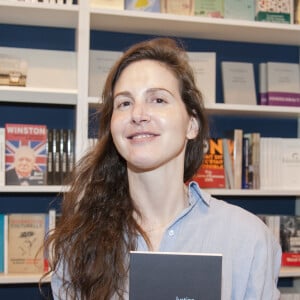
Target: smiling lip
{"x": 142, "y": 136}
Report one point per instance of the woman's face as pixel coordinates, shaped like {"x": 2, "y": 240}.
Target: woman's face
{"x": 150, "y": 124}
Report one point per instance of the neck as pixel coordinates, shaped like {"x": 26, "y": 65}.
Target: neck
{"x": 158, "y": 201}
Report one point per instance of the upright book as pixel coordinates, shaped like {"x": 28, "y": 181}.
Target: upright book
{"x": 143, "y": 5}
{"x": 165, "y": 275}
{"x": 238, "y": 83}
{"x": 283, "y": 83}
{"x": 25, "y": 154}
{"x": 26, "y": 233}
{"x": 211, "y": 174}
{"x": 178, "y": 7}
{"x": 204, "y": 67}
{"x": 209, "y": 8}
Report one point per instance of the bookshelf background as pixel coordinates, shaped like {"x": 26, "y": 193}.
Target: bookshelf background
{"x": 25, "y": 25}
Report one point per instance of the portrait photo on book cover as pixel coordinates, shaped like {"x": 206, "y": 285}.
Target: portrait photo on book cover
{"x": 25, "y": 164}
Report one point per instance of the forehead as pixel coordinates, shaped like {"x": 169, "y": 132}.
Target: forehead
{"x": 147, "y": 70}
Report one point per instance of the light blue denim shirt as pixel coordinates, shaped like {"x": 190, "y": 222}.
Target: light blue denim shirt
{"x": 251, "y": 255}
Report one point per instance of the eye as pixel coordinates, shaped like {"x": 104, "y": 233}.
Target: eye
{"x": 122, "y": 102}
{"x": 159, "y": 100}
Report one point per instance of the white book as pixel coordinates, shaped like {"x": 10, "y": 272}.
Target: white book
{"x": 2, "y": 156}
{"x": 204, "y": 67}
{"x": 239, "y": 9}
{"x": 283, "y": 84}
{"x": 108, "y": 4}
{"x": 238, "y": 83}
{"x": 291, "y": 163}
{"x": 100, "y": 64}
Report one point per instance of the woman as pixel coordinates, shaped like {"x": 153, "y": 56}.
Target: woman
{"x": 128, "y": 193}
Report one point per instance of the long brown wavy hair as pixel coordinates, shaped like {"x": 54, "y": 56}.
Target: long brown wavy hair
{"x": 97, "y": 229}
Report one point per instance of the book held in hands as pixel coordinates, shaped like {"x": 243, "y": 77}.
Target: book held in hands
{"x": 178, "y": 276}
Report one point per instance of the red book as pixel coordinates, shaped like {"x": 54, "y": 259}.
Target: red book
{"x": 25, "y": 154}
{"x": 212, "y": 172}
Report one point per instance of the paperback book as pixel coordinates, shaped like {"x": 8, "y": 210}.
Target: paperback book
{"x": 238, "y": 83}
{"x": 277, "y": 11}
{"x": 283, "y": 84}
{"x": 237, "y": 9}
{"x": 25, "y": 154}
{"x": 108, "y": 4}
{"x": 209, "y": 8}
{"x": 178, "y": 7}
{"x": 143, "y": 5}
{"x": 211, "y": 174}
{"x": 204, "y": 67}
{"x": 26, "y": 233}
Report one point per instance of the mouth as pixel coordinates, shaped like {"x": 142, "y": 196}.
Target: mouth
{"x": 140, "y": 136}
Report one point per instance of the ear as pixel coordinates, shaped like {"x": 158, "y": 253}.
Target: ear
{"x": 193, "y": 128}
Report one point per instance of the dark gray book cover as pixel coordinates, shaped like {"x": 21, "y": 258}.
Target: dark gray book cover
{"x": 175, "y": 276}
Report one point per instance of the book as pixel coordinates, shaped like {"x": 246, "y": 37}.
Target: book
{"x": 178, "y": 7}
{"x": 228, "y": 162}
{"x": 277, "y": 11}
{"x": 175, "y": 276}
{"x": 143, "y": 5}
{"x": 70, "y": 151}
{"x": 245, "y": 163}
{"x": 253, "y": 160}
{"x": 209, "y": 8}
{"x": 263, "y": 85}
{"x": 26, "y": 233}
{"x": 64, "y": 154}
{"x": 290, "y": 159}
{"x": 108, "y": 4}
{"x": 56, "y": 157}
{"x": 50, "y": 161}
{"x": 296, "y": 11}
{"x": 204, "y": 67}
{"x": 290, "y": 240}
{"x": 2, "y": 156}
{"x": 239, "y": 9}
{"x": 238, "y": 83}
{"x": 25, "y": 154}
{"x": 13, "y": 70}
{"x": 100, "y": 63}
{"x": 283, "y": 84}
{"x": 211, "y": 173}
{"x": 233, "y": 156}
{"x": 2, "y": 242}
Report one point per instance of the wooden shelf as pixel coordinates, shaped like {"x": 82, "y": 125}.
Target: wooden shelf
{"x": 289, "y": 272}
{"x": 38, "y": 14}
{"x": 194, "y": 27}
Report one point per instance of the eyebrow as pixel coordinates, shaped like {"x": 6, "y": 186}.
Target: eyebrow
{"x": 148, "y": 91}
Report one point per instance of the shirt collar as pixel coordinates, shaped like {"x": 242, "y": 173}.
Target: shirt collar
{"x": 197, "y": 194}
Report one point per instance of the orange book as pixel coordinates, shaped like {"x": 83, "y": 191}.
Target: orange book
{"x": 211, "y": 174}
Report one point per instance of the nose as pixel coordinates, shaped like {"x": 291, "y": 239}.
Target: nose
{"x": 140, "y": 113}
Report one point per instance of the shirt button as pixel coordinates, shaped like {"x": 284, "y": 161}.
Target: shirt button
{"x": 171, "y": 232}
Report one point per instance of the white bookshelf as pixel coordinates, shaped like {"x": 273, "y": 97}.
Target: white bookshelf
{"x": 82, "y": 19}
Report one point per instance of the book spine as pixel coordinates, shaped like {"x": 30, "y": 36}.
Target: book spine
{"x": 2, "y": 156}
{"x": 64, "y": 153}
{"x": 56, "y": 157}
{"x": 71, "y": 151}
{"x": 263, "y": 84}
{"x": 2, "y": 241}
{"x": 50, "y": 161}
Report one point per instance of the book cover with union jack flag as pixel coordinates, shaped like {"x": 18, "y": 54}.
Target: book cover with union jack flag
{"x": 25, "y": 154}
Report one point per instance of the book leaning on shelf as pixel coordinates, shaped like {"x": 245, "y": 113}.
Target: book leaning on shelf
{"x": 21, "y": 241}
{"x": 146, "y": 5}
{"x": 25, "y": 154}
{"x": 211, "y": 173}
{"x": 238, "y": 83}
{"x": 279, "y": 84}
{"x": 286, "y": 230}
